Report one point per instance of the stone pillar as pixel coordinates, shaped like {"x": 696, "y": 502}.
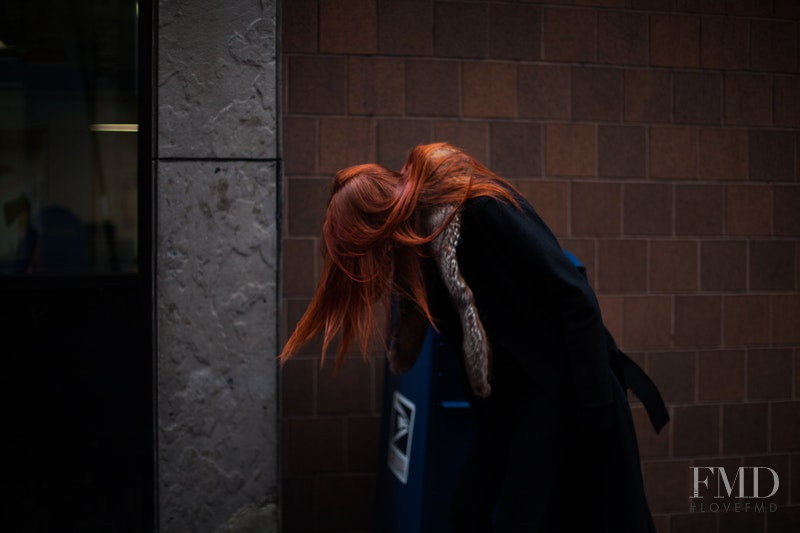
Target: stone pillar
{"x": 217, "y": 265}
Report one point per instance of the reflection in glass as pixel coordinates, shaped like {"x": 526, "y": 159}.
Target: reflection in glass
{"x": 68, "y": 136}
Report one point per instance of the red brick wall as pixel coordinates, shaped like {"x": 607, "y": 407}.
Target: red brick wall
{"x": 658, "y": 138}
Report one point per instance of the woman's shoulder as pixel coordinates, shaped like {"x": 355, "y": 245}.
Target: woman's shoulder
{"x": 500, "y": 210}
{"x": 512, "y": 224}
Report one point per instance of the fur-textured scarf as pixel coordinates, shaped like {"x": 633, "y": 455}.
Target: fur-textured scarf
{"x": 411, "y": 325}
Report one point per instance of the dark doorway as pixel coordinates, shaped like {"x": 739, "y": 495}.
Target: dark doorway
{"x": 76, "y": 265}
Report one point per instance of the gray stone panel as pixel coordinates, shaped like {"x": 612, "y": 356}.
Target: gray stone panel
{"x": 217, "y": 305}
{"x": 216, "y": 79}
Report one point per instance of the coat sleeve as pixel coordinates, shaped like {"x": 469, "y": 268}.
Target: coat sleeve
{"x": 528, "y": 241}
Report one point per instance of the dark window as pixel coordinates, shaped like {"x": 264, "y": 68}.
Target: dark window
{"x": 68, "y": 143}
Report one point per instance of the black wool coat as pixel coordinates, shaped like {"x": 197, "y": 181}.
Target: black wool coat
{"x": 555, "y": 448}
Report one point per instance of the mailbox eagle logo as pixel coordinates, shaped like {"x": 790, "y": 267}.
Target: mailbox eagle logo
{"x": 401, "y": 433}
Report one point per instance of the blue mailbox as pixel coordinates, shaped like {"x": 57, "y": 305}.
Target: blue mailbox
{"x": 426, "y": 430}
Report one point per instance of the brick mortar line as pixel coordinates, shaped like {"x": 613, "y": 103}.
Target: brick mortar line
{"x": 769, "y": 414}
{"x": 646, "y": 238}
{"x": 544, "y": 121}
{"x": 706, "y": 403}
{"x": 545, "y": 63}
{"x": 733, "y": 455}
{"x": 604, "y": 180}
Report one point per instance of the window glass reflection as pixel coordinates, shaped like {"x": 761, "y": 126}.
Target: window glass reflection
{"x": 68, "y": 136}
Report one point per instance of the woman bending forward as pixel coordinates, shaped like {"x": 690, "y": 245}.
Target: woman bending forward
{"x": 459, "y": 248}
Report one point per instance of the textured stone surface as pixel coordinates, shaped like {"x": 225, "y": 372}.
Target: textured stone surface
{"x": 216, "y": 78}
{"x": 216, "y": 288}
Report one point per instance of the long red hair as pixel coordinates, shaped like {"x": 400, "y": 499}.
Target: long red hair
{"x": 371, "y": 244}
